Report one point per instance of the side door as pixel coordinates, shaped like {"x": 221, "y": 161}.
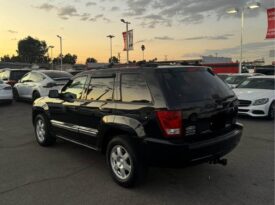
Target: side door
{"x": 98, "y": 103}
{"x": 64, "y": 112}
{"x": 21, "y": 86}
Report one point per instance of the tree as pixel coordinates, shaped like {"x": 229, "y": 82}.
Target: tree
{"x": 32, "y": 50}
{"x": 113, "y": 60}
{"x": 69, "y": 59}
{"x": 6, "y": 58}
{"x": 91, "y": 60}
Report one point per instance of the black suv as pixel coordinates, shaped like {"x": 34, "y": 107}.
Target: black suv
{"x": 164, "y": 116}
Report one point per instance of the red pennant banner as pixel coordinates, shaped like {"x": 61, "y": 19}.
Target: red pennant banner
{"x": 271, "y": 23}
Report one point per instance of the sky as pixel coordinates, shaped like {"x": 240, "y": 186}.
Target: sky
{"x": 169, "y": 29}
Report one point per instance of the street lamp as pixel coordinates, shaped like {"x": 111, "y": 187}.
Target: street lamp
{"x": 60, "y": 38}
{"x": 51, "y": 47}
{"x": 237, "y": 10}
{"x": 111, "y": 47}
{"x": 127, "y": 38}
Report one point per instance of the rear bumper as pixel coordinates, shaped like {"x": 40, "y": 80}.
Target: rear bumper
{"x": 165, "y": 153}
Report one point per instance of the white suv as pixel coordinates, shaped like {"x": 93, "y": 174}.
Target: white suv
{"x": 38, "y": 83}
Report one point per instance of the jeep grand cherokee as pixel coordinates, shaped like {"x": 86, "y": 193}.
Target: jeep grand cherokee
{"x": 137, "y": 117}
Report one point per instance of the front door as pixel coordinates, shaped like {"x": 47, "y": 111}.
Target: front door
{"x": 64, "y": 113}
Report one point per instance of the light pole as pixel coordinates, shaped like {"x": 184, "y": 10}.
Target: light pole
{"x": 127, "y": 39}
{"x": 60, "y": 38}
{"x": 111, "y": 47}
{"x": 51, "y": 47}
{"x": 242, "y": 10}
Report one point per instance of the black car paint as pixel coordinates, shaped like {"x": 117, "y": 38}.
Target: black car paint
{"x": 92, "y": 123}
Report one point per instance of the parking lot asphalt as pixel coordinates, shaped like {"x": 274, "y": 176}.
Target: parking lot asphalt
{"x": 70, "y": 174}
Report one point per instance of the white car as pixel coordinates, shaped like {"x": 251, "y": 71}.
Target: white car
{"x": 257, "y": 97}
{"x": 234, "y": 80}
{"x": 38, "y": 83}
{"x": 5, "y": 92}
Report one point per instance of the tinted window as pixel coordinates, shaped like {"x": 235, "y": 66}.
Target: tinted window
{"x": 134, "y": 89}
{"x": 17, "y": 74}
{"x": 58, "y": 75}
{"x": 192, "y": 86}
{"x": 258, "y": 83}
{"x": 76, "y": 86}
{"x": 101, "y": 89}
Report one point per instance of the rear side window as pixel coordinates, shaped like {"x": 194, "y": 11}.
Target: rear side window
{"x": 101, "y": 89}
{"x": 192, "y": 86}
{"x": 134, "y": 89}
{"x": 18, "y": 74}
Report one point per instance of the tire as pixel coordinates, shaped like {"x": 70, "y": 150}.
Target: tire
{"x": 124, "y": 162}
{"x": 271, "y": 111}
{"x": 35, "y": 95}
{"x": 16, "y": 95}
{"x": 42, "y": 131}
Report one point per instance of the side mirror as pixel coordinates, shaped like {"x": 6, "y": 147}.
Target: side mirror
{"x": 53, "y": 94}
{"x": 69, "y": 97}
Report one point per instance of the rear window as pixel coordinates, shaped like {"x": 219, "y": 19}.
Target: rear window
{"x": 192, "y": 86}
{"x": 58, "y": 75}
{"x": 17, "y": 74}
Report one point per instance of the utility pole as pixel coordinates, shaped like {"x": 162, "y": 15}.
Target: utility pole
{"x": 61, "y": 55}
{"x": 111, "y": 47}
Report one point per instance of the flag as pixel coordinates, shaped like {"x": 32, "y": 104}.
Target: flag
{"x": 271, "y": 24}
{"x": 130, "y": 40}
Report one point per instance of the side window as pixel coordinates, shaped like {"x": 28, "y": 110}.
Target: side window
{"x": 134, "y": 89}
{"x": 101, "y": 89}
{"x": 36, "y": 77}
{"x": 25, "y": 77}
{"x": 76, "y": 86}
{"x": 5, "y": 75}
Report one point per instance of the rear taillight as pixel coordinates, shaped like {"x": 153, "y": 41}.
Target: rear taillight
{"x": 170, "y": 122}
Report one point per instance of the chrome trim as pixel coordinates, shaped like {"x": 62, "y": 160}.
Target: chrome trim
{"x": 75, "y": 142}
{"x": 75, "y": 128}
{"x": 87, "y": 131}
{"x": 66, "y": 126}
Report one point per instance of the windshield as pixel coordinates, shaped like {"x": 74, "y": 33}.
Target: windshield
{"x": 235, "y": 79}
{"x": 58, "y": 75}
{"x": 258, "y": 83}
{"x": 192, "y": 86}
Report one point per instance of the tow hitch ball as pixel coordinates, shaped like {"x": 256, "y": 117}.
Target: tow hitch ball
{"x": 219, "y": 161}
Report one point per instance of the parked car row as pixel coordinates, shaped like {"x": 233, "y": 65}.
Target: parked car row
{"x": 30, "y": 84}
{"x": 38, "y": 83}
